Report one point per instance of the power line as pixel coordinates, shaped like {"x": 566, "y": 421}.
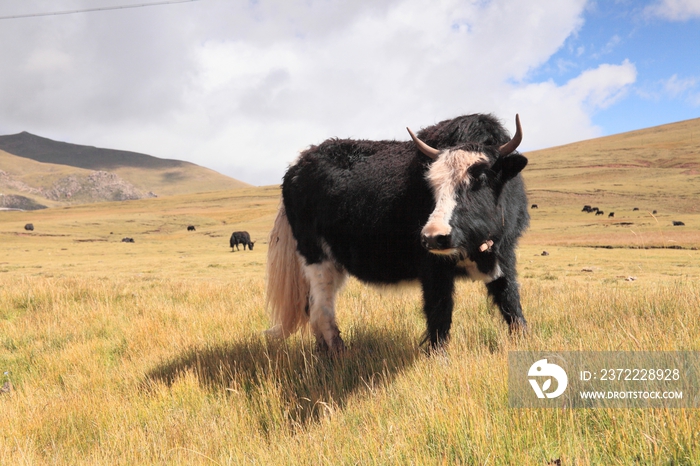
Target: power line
{"x": 90, "y": 10}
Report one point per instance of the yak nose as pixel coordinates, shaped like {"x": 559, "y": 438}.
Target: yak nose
{"x": 436, "y": 241}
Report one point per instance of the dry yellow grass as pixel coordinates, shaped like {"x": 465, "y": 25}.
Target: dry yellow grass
{"x": 151, "y": 353}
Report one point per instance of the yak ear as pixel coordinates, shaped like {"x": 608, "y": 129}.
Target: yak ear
{"x": 511, "y": 165}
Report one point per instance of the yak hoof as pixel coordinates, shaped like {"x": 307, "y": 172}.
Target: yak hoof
{"x": 337, "y": 345}
{"x": 434, "y": 344}
{"x": 518, "y": 327}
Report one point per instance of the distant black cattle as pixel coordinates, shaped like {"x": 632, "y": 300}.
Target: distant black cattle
{"x": 654, "y": 212}
{"x": 586, "y": 209}
{"x": 611, "y": 214}
{"x": 29, "y": 227}
{"x": 191, "y": 228}
{"x": 241, "y": 237}
{"x": 534, "y": 206}
{"x": 595, "y": 209}
{"x": 676, "y": 223}
{"x": 600, "y": 212}
{"x": 128, "y": 240}
{"x": 635, "y": 209}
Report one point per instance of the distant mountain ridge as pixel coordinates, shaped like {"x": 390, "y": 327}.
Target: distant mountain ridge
{"x": 46, "y": 150}
{"x": 42, "y": 170}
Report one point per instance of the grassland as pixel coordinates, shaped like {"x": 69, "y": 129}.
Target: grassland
{"x": 151, "y": 353}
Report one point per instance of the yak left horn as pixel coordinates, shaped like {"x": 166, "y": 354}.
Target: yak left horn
{"x": 513, "y": 144}
{"x": 423, "y": 147}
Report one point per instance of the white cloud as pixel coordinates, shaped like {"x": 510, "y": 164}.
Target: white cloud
{"x": 242, "y": 87}
{"x": 675, "y": 86}
{"x": 555, "y": 115}
{"x": 674, "y": 10}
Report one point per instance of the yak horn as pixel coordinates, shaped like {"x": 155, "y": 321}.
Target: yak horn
{"x": 423, "y": 147}
{"x": 513, "y": 144}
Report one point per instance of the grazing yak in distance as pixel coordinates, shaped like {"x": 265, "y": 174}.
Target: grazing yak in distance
{"x": 191, "y": 228}
{"x": 451, "y": 203}
{"x": 677, "y": 223}
{"x": 241, "y": 237}
{"x": 611, "y": 214}
{"x": 29, "y": 227}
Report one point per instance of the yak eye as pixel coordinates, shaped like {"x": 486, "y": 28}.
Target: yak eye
{"x": 478, "y": 170}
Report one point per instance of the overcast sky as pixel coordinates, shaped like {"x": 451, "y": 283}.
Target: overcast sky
{"x": 242, "y": 86}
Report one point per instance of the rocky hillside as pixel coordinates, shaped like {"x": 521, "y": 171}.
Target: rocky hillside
{"x": 51, "y": 173}
{"x": 97, "y": 186}
{"x": 76, "y": 188}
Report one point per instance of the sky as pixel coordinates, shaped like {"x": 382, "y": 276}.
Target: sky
{"x": 242, "y": 86}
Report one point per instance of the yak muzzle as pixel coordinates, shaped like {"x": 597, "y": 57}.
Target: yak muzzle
{"x": 443, "y": 244}
{"x": 436, "y": 243}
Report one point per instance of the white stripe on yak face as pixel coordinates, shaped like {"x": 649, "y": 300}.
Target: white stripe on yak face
{"x": 444, "y": 176}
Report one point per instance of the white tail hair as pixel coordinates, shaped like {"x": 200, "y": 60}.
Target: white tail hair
{"x": 287, "y": 286}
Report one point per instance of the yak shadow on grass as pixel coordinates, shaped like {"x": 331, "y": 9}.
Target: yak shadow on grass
{"x": 288, "y": 383}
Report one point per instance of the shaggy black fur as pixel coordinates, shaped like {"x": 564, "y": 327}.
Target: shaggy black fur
{"x": 369, "y": 200}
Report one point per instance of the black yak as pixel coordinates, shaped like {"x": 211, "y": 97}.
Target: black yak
{"x": 240, "y": 237}
{"x": 191, "y": 228}
{"x": 449, "y": 203}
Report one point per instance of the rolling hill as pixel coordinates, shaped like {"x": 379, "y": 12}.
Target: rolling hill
{"x": 658, "y": 166}
{"x": 648, "y": 178}
{"x": 51, "y": 173}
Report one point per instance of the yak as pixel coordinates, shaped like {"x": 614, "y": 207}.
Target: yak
{"x": 449, "y": 203}
{"x": 241, "y": 237}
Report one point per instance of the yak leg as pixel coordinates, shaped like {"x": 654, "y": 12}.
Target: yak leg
{"x": 438, "y": 302}
{"x": 325, "y": 279}
{"x": 506, "y": 296}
